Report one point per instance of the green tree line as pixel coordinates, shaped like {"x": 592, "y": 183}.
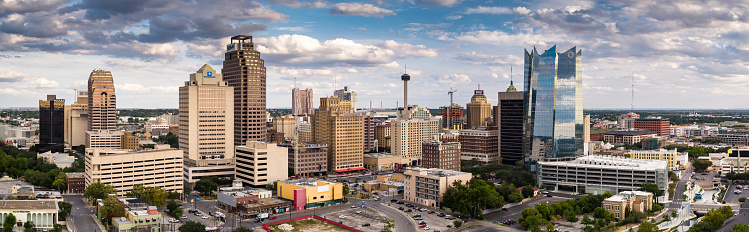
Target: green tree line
{"x": 18, "y": 163}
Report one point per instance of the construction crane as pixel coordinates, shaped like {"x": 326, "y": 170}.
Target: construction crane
{"x": 451, "y": 94}
{"x": 449, "y": 108}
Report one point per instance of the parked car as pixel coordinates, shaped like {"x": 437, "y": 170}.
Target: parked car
{"x": 365, "y": 224}
{"x": 353, "y": 206}
{"x": 422, "y": 225}
{"x": 342, "y": 216}
{"x": 423, "y": 209}
{"x": 400, "y": 202}
{"x": 422, "y": 222}
{"x": 204, "y": 217}
{"x": 272, "y": 218}
{"x": 418, "y": 218}
{"x": 184, "y": 216}
{"x": 409, "y": 205}
{"x": 393, "y": 200}
{"x": 377, "y": 199}
{"x": 427, "y": 228}
{"x": 431, "y": 212}
{"x": 408, "y": 210}
{"x": 358, "y": 211}
{"x": 401, "y": 208}
{"x": 440, "y": 215}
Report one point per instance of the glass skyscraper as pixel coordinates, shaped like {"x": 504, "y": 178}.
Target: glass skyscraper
{"x": 553, "y": 105}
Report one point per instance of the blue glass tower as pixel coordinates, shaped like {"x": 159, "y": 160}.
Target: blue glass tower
{"x": 553, "y": 105}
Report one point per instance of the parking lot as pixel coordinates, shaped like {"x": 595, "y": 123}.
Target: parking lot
{"x": 431, "y": 217}
{"x": 356, "y": 220}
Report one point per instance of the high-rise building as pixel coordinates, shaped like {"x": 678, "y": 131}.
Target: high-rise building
{"x": 479, "y": 111}
{"x": 627, "y": 121}
{"x": 286, "y": 125}
{"x": 102, "y": 102}
{"x": 452, "y": 117}
{"x": 342, "y": 132}
{"x": 259, "y": 163}
{"x": 346, "y": 94}
{"x": 508, "y": 117}
{"x": 302, "y": 102}
{"x": 51, "y": 125}
{"x": 370, "y": 142}
{"x": 441, "y": 155}
{"x": 110, "y": 139}
{"x": 382, "y": 135}
{"x": 408, "y": 133}
{"x": 479, "y": 143}
{"x": 305, "y": 128}
{"x": 76, "y": 120}
{"x": 245, "y": 71}
{"x": 206, "y": 125}
{"x": 553, "y": 105}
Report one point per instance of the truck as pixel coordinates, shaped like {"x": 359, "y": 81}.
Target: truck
{"x": 262, "y": 215}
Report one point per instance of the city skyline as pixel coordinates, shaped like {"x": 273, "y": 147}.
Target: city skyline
{"x": 685, "y": 54}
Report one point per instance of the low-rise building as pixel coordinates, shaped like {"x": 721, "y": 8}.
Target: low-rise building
{"x": 158, "y": 167}
{"x": 599, "y": 174}
{"x": 62, "y": 160}
{"x": 425, "y": 186}
{"x": 630, "y": 136}
{"x": 480, "y": 143}
{"x": 737, "y": 161}
{"x": 628, "y": 200}
{"x": 311, "y": 160}
{"x": 381, "y": 161}
{"x": 104, "y": 139}
{"x": 43, "y": 213}
{"x": 660, "y": 154}
{"x": 76, "y": 182}
{"x": 441, "y": 155}
{"x": 307, "y": 193}
{"x": 146, "y": 219}
{"x": 260, "y": 163}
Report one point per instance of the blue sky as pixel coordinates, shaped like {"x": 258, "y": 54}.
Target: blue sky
{"x": 682, "y": 54}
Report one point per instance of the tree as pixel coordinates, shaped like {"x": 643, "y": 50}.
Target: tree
{"x": 156, "y": 196}
{"x": 28, "y": 226}
{"x": 471, "y": 198}
{"x": 138, "y": 191}
{"x": 10, "y": 221}
{"x": 457, "y": 223}
{"x": 515, "y": 196}
{"x": 740, "y": 228}
{"x": 586, "y": 220}
{"x": 65, "y": 209}
{"x": 97, "y": 190}
{"x": 134, "y": 229}
{"x": 550, "y": 227}
{"x": 652, "y": 188}
{"x": 647, "y": 227}
{"x": 205, "y": 186}
{"x": 56, "y": 228}
{"x": 527, "y": 191}
{"x": 60, "y": 183}
{"x": 112, "y": 208}
{"x": 192, "y": 226}
{"x": 701, "y": 165}
{"x": 389, "y": 225}
{"x": 171, "y": 206}
{"x": 178, "y": 212}
{"x": 345, "y": 190}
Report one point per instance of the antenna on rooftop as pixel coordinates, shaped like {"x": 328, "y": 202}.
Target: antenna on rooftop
{"x": 295, "y": 82}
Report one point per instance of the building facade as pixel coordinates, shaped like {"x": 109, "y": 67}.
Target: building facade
{"x": 478, "y": 111}
{"x": 599, "y": 174}
{"x": 286, "y": 125}
{"x": 51, "y": 125}
{"x": 660, "y": 126}
{"x": 627, "y": 121}
{"x": 631, "y": 136}
{"x": 342, "y": 131}
{"x": 158, "y": 167}
{"x": 102, "y": 102}
{"x": 441, "y": 155}
{"x": 302, "y": 102}
{"x": 206, "y": 125}
{"x": 245, "y": 72}
{"x": 426, "y": 186}
{"x": 479, "y": 143}
{"x": 413, "y": 126}
{"x": 737, "y": 161}
{"x": 508, "y": 117}
{"x": 309, "y": 193}
{"x": 370, "y": 143}
{"x": 660, "y": 154}
{"x": 382, "y": 135}
{"x": 628, "y": 200}
{"x": 346, "y": 94}
{"x": 104, "y": 139}
{"x": 381, "y": 161}
{"x": 260, "y": 163}
{"x": 553, "y": 105}
{"x": 128, "y": 141}
{"x": 43, "y": 213}
{"x": 76, "y": 182}
{"x": 76, "y": 120}
{"x": 452, "y": 117}
{"x": 310, "y": 160}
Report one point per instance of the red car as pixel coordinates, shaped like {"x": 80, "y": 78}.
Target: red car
{"x": 423, "y": 225}
{"x": 271, "y": 218}
{"x": 738, "y": 186}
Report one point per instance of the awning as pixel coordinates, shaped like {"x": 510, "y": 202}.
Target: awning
{"x": 355, "y": 169}
{"x": 342, "y": 170}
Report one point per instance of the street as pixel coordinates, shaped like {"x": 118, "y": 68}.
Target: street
{"x": 679, "y": 191}
{"x": 81, "y": 213}
{"x": 515, "y": 212}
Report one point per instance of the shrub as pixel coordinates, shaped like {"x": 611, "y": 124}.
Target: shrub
{"x": 742, "y": 199}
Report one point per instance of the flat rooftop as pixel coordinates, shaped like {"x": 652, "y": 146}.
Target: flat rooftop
{"x": 595, "y": 161}
{"x": 28, "y": 204}
{"x": 436, "y": 172}
{"x": 630, "y": 132}
{"x": 379, "y": 155}
{"x": 305, "y": 182}
{"x": 268, "y": 201}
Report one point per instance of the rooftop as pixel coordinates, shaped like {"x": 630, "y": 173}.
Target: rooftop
{"x": 305, "y": 182}
{"x": 75, "y": 175}
{"x": 614, "y": 161}
{"x": 436, "y": 172}
{"x": 379, "y": 155}
{"x": 630, "y": 132}
{"x": 28, "y": 204}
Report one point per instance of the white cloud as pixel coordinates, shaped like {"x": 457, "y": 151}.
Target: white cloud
{"x": 454, "y": 79}
{"x": 358, "y": 9}
{"x": 44, "y": 83}
{"x": 489, "y": 10}
{"x": 10, "y": 91}
{"x": 438, "y": 2}
{"x": 480, "y": 58}
{"x": 301, "y": 71}
{"x": 292, "y": 29}
{"x": 7, "y": 75}
{"x": 138, "y": 88}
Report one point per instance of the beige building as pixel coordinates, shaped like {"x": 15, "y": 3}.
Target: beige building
{"x": 407, "y": 135}
{"x": 381, "y": 161}
{"x": 305, "y": 128}
{"x": 206, "y": 125}
{"x": 633, "y": 200}
{"x": 479, "y": 111}
{"x": 343, "y": 133}
{"x": 382, "y": 135}
{"x": 244, "y": 70}
{"x": 670, "y": 156}
{"x": 62, "y": 160}
{"x": 285, "y": 125}
{"x": 104, "y": 139}
{"x": 159, "y": 167}
{"x": 426, "y": 186}
{"x": 102, "y": 108}
{"x": 129, "y": 141}
{"x": 260, "y": 163}
{"x": 76, "y": 120}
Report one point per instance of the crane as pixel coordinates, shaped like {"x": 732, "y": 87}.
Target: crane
{"x": 451, "y": 94}
{"x": 449, "y": 109}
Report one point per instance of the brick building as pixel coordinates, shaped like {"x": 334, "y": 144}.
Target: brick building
{"x": 76, "y": 182}
{"x": 660, "y": 126}
{"x": 479, "y": 143}
{"x": 441, "y": 155}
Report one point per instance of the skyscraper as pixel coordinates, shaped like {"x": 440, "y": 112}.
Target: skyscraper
{"x": 206, "y": 125}
{"x": 302, "y": 102}
{"x": 452, "y": 116}
{"x": 102, "y": 102}
{"x": 76, "y": 119}
{"x": 346, "y": 94}
{"x": 479, "y": 110}
{"x": 553, "y": 105}
{"x": 508, "y": 117}
{"x": 342, "y": 131}
{"x": 51, "y": 125}
{"x": 245, "y": 71}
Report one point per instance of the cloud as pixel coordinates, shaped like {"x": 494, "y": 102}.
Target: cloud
{"x": 138, "y": 88}
{"x": 484, "y": 59}
{"x": 438, "y": 2}
{"x": 453, "y": 17}
{"x": 43, "y": 83}
{"x": 23, "y": 92}
{"x": 489, "y": 10}
{"x": 10, "y": 76}
{"x": 292, "y": 29}
{"x": 358, "y": 9}
{"x": 298, "y": 4}
{"x": 454, "y": 79}
{"x": 301, "y": 50}
{"x": 301, "y": 72}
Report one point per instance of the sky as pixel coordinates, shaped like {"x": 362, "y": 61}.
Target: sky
{"x": 680, "y": 53}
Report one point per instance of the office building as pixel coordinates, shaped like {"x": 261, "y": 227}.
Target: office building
{"x": 413, "y": 126}
{"x": 368, "y": 133}
{"x": 382, "y": 135}
{"x": 479, "y": 143}
{"x": 245, "y": 72}
{"x": 274, "y": 136}
{"x": 286, "y": 125}
{"x": 452, "y": 117}
{"x": 76, "y": 182}
{"x": 129, "y": 141}
{"x": 660, "y": 126}
{"x": 260, "y": 163}
{"x": 302, "y": 102}
{"x": 158, "y": 167}
{"x": 102, "y": 102}
{"x": 346, "y": 94}
{"x": 310, "y": 160}
{"x": 631, "y": 136}
{"x": 309, "y": 193}
{"x": 61, "y": 160}
{"x": 508, "y": 117}
{"x": 342, "y": 132}
{"x": 737, "y": 161}
{"x": 553, "y": 105}
{"x": 627, "y": 121}
{"x": 478, "y": 111}
{"x": 670, "y": 156}
{"x": 42, "y": 213}
{"x": 638, "y": 201}
{"x": 104, "y": 139}
{"x": 426, "y": 186}
{"x": 441, "y": 155}
{"x": 146, "y": 218}
{"x": 305, "y": 128}
{"x": 600, "y": 174}
{"x": 51, "y": 125}
{"x": 206, "y": 125}
{"x": 381, "y": 161}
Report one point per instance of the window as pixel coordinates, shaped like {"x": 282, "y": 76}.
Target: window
{"x": 616, "y": 208}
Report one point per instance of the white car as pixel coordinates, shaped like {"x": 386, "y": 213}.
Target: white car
{"x": 342, "y": 216}
{"x": 204, "y": 217}
{"x": 353, "y": 206}
{"x": 358, "y": 211}
{"x": 427, "y": 228}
